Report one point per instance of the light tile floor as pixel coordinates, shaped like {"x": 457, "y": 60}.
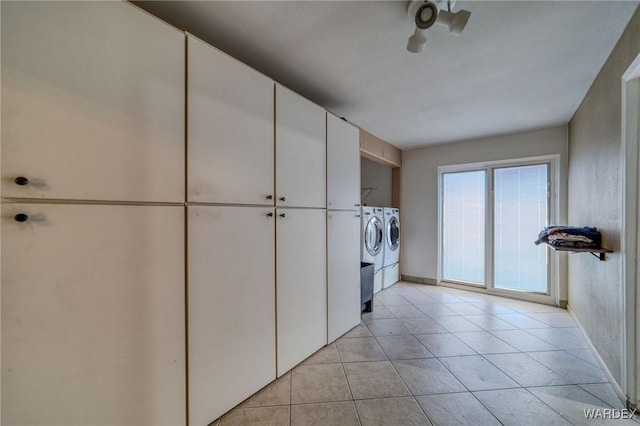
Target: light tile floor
{"x": 434, "y": 355}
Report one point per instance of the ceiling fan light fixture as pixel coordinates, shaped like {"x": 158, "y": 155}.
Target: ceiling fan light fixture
{"x": 455, "y": 21}
{"x": 417, "y": 41}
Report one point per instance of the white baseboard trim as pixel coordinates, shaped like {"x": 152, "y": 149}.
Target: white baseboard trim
{"x": 614, "y": 384}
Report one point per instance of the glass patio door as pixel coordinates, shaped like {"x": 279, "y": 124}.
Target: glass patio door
{"x": 490, "y": 217}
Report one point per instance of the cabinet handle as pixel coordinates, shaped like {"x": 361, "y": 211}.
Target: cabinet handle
{"x": 21, "y": 180}
{"x": 357, "y": 205}
{"x": 282, "y": 198}
{"x": 269, "y": 197}
{"x": 269, "y": 214}
{"x": 21, "y": 217}
{"x": 282, "y": 215}
{"x": 357, "y": 215}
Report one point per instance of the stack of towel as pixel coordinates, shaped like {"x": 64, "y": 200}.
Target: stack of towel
{"x": 570, "y": 237}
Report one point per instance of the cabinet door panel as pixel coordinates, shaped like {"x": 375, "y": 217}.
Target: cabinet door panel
{"x": 301, "y": 285}
{"x": 343, "y": 164}
{"x": 343, "y": 272}
{"x": 92, "y": 103}
{"x": 301, "y": 170}
{"x": 230, "y": 150}
{"x": 93, "y": 321}
{"x": 232, "y": 336}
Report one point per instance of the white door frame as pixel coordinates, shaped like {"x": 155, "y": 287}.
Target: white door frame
{"x": 630, "y": 227}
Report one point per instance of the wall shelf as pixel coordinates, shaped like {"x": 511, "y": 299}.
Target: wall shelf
{"x": 599, "y": 253}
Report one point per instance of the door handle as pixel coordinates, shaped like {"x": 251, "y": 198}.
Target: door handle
{"x": 21, "y": 217}
{"x": 21, "y": 180}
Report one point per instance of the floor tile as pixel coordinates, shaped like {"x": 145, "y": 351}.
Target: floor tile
{"x": 277, "y": 392}
{"x": 457, "y": 324}
{"x": 360, "y": 349}
{"x": 386, "y": 327}
{"x": 484, "y": 342}
{"x": 604, "y": 392}
{"x": 489, "y": 322}
{"x": 427, "y": 376}
{"x": 405, "y": 311}
{"x": 445, "y": 345}
{"x": 465, "y": 308}
{"x": 559, "y": 338}
{"x": 326, "y": 355}
{"x": 574, "y": 331}
{"x": 446, "y": 298}
{"x": 319, "y": 383}
{"x": 571, "y": 402}
{"x": 523, "y": 341}
{"x": 494, "y": 308}
{"x": 454, "y": 409}
{"x": 525, "y": 370}
{"x": 585, "y": 355}
{"x": 519, "y": 407}
{"x": 476, "y": 373}
{"x": 379, "y": 312}
{"x": 328, "y": 413}
{"x": 391, "y": 411}
{"x": 263, "y": 416}
{"x": 420, "y": 299}
{"x": 392, "y": 300}
{"x": 403, "y": 347}
{"x": 554, "y": 319}
{"x": 435, "y": 310}
{"x": 359, "y": 330}
{"x": 522, "y": 321}
{"x": 422, "y": 325}
{"x": 374, "y": 380}
{"x": 569, "y": 366}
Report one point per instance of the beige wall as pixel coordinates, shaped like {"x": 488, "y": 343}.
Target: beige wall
{"x": 419, "y": 213}
{"x": 376, "y": 175}
{"x": 596, "y": 288}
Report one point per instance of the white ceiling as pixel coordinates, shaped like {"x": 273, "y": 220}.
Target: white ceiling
{"x": 518, "y": 65}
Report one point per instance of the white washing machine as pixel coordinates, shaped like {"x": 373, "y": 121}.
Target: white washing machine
{"x": 391, "y": 236}
{"x": 390, "y": 265}
{"x": 373, "y": 236}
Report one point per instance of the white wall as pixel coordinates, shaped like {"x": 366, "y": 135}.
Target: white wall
{"x": 419, "y": 212}
{"x": 595, "y": 158}
{"x": 375, "y": 175}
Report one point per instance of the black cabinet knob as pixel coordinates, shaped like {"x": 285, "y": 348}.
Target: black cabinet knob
{"x": 282, "y": 215}
{"x": 282, "y": 198}
{"x": 21, "y": 217}
{"x": 269, "y": 214}
{"x": 21, "y": 180}
{"x": 269, "y": 197}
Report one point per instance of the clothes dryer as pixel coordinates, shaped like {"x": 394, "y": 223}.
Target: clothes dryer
{"x": 373, "y": 236}
{"x": 392, "y": 236}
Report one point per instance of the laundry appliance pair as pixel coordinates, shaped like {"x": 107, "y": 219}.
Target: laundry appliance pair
{"x": 381, "y": 243}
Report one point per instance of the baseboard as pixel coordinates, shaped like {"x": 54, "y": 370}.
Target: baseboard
{"x": 417, "y": 280}
{"x": 622, "y": 396}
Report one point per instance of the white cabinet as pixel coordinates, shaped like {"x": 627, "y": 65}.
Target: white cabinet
{"x": 230, "y": 128}
{"x": 93, "y": 321}
{"x": 300, "y": 151}
{"x": 92, "y": 103}
{"x": 343, "y": 272}
{"x": 343, "y": 165}
{"x": 302, "y": 284}
{"x": 231, "y": 290}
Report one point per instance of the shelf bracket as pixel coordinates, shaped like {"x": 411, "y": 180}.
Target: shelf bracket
{"x": 598, "y": 255}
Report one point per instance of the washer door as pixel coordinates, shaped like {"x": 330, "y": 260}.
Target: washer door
{"x": 373, "y": 236}
{"x": 393, "y": 233}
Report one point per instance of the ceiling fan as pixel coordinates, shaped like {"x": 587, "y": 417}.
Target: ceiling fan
{"x": 425, "y": 13}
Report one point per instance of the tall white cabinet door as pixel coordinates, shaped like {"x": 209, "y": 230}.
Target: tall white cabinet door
{"x": 343, "y": 272}
{"x": 301, "y": 170}
{"x": 93, "y": 321}
{"x": 92, "y": 103}
{"x": 230, "y": 128}
{"x": 302, "y": 285}
{"x": 343, "y": 164}
{"x": 231, "y": 291}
